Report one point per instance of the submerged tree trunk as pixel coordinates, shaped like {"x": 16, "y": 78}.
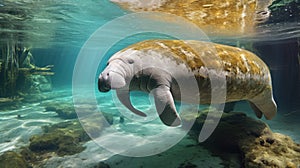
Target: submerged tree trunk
{"x": 9, "y": 69}
{"x": 16, "y": 68}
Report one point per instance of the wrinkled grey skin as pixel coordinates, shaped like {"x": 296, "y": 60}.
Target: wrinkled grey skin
{"x": 125, "y": 74}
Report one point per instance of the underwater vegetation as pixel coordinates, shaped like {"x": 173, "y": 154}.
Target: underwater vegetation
{"x": 63, "y": 139}
{"x": 12, "y": 159}
{"x": 284, "y": 11}
{"x": 19, "y": 74}
{"x": 23, "y": 26}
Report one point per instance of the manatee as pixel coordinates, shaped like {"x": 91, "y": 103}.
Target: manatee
{"x": 226, "y": 18}
{"x": 155, "y": 66}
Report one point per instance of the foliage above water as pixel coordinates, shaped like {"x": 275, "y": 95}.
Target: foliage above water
{"x": 285, "y": 11}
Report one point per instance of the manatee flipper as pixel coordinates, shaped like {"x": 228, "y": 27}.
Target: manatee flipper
{"x": 258, "y": 113}
{"x": 124, "y": 97}
{"x": 165, "y": 106}
{"x": 264, "y": 104}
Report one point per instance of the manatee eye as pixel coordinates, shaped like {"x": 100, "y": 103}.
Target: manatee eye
{"x": 107, "y": 74}
{"x": 130, "y": 61}
{"x": 107, "y": 64}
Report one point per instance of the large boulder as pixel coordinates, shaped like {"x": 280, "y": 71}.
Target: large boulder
{"x": 252, "y": 140}
{"x": 64, "y": 139}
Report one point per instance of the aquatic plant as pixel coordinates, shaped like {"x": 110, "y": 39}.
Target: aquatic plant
{"x": 16, "y": 61}
{"x": 285, "y": 11}
{"x": 17, "y": 71}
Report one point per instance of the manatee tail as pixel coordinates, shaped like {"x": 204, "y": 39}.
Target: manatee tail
{"x": 264, "y": 104}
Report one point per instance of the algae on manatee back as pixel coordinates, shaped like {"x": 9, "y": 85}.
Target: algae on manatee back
{"x": 216, "y": 17}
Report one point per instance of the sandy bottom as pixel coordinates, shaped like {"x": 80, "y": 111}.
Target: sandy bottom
{"x": 169, "y": 146}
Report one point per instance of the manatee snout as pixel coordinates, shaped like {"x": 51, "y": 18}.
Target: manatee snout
{"x": 104, "y": 84}
{"x": 109, "y": 79}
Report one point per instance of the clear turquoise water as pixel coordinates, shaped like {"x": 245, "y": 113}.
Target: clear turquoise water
{"x": 58, "y": 30}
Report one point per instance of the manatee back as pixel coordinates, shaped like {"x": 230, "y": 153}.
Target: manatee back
{"x": 246, "y": 74}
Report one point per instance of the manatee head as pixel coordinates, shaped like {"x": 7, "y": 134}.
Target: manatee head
{"x": 118, "y": 71}
{"x": 118, "y": 74}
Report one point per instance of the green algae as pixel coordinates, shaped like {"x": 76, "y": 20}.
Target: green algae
{"x": 63, "y": 139}
{"x": 248, "y": 141}
{"x": 12, "y": 159}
